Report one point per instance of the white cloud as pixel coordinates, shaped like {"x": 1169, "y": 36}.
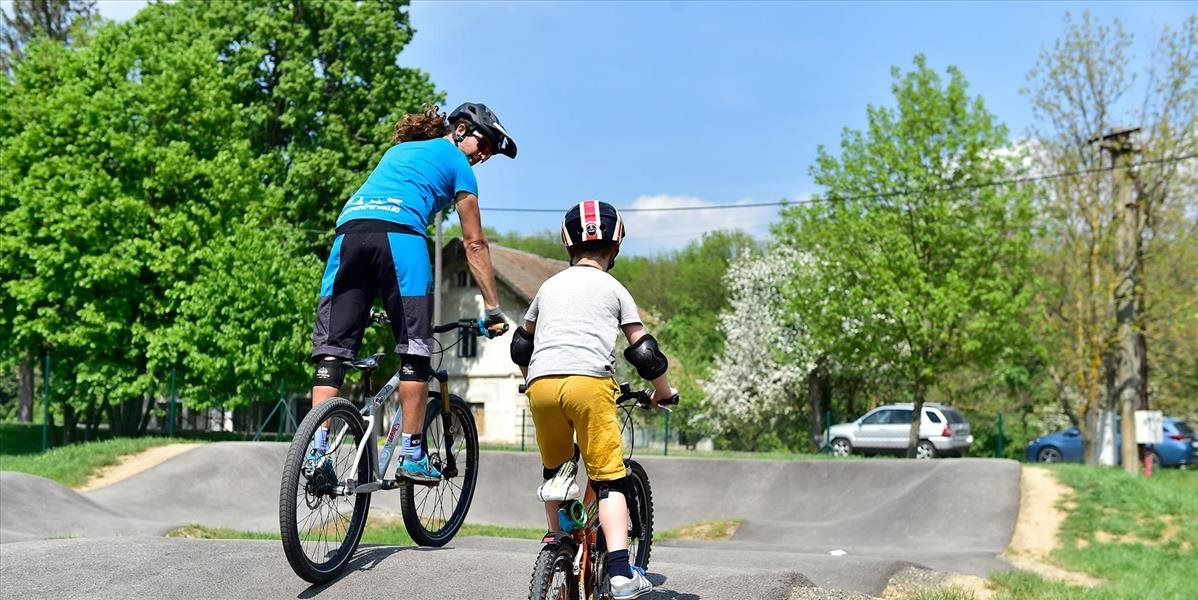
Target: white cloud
{"x": 665, "y": 230}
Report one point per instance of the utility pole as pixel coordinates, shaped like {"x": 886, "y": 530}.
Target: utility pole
{"x": 1129, "y": 371}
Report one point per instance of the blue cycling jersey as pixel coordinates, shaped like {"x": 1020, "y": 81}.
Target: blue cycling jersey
{"x": 412, "y": 182}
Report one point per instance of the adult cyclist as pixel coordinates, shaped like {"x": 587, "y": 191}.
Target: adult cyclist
{"x": 381, "y": 248}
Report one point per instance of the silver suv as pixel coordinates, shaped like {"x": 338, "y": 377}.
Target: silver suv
{"x": 942, "y": 431}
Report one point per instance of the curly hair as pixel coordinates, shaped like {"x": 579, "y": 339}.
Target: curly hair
{"x": 419, "y": 127}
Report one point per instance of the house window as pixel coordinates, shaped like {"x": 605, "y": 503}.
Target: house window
{"x": 463, "y": 279}
{"x": 468, "y": 347}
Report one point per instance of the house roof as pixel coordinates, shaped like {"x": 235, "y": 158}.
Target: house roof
{"x": 522, "y": 272}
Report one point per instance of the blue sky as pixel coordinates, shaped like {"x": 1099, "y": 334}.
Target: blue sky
{"x": 652, "y": 104}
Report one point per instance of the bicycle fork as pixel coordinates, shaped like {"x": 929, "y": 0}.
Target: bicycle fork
{"x": 449, "y": 469}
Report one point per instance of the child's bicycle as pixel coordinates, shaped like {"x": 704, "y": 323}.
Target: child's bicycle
{"x": 573, "y": 565}
{"x": 323, "y": 503}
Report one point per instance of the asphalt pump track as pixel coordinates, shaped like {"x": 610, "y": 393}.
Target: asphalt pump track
{"x": 835, "y": 524}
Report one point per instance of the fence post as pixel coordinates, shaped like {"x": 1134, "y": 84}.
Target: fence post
{"x": 170, "y": 411}
{"x": 665, "y": 450}
{"x": 46, "y": 405}
{"x": 523, "y": 425}
{"x": 282, "y": 415}
{"x": 999, "y": 450}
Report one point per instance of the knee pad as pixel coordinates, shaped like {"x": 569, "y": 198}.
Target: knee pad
{"x": 415, "y": 368}
{"x": 602, "y": 488}
{"x": 329, "y": 373}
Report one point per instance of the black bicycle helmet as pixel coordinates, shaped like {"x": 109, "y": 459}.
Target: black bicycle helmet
{"x": 486, "y": 122}
{"x": 592, "y": 221}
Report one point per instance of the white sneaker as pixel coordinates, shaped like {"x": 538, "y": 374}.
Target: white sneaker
{"x": 627, "y": 588}
{"x": 561, "y": 486}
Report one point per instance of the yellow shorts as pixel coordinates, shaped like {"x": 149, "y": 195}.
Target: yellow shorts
{"x": 563, "y": 404}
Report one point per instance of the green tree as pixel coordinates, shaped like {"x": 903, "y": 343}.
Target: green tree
{"x": 1081, "y": 88}
{"x": 921, "y": 258}
{"x": 159, "y": 185}
{"x": 61, "y": 20}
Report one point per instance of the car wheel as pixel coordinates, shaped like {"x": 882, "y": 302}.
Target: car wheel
{"x": 841, "y": 447}
{"x": 925, "y": 449}
{"x": 1049, "y": 454}
{"x": 1156, "y": 460}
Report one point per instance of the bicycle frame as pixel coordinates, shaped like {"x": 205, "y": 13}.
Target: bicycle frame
{"x": 370, "y": 414}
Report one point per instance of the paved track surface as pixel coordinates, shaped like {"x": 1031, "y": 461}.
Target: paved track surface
{"x": 884, "y": 515}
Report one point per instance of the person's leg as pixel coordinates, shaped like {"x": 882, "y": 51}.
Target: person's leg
{"x": 589, "y": 403}
{"x": 555, "y": 435}
{"x": 339, "y": 323}
{"x": 406, "y": 284}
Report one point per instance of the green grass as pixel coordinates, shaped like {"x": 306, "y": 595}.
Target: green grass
{"x": 1140, "y": 537}
{"x": 387, "y": 534}
{"x": 73, "y": 465}
{"x": 950, "y": 592}
{"x": 703, "y": 530}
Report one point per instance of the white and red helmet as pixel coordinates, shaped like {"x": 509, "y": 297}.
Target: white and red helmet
{"x": 592, "y": 221}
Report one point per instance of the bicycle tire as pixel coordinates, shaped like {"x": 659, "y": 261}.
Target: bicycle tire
{"x": 304, "y": 502}
{"x": 641, "y": 547}
{"x": 430, "y": 521}
{"x": 553, "y": 576}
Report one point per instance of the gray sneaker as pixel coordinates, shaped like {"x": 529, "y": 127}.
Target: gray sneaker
{"x": 627, "y": 588}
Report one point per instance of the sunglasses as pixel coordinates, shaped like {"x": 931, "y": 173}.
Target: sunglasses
{"x": 484, "y": 144}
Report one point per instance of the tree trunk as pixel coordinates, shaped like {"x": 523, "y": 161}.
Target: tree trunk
{"x": 68, "y": 423}
{"x": 921, "y": 390}
{"x": 815, "y": 390}
{"x": 93, "y": 419}
{"x": 25, "y": 391}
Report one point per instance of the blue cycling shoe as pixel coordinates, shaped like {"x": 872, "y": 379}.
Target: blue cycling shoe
{"x": 418, "y": 471}
{"x": 319, "y": 465}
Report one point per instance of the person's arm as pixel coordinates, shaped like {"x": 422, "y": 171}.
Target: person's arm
{"x": 478, "y": 251}
{"x": 661, "y": 384}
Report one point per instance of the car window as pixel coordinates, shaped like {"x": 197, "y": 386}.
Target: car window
{"x": 901, "y": 416}
{"x": 877, "y": 418}
{"x": 953, "y": 416}
{"x": 933, "y": 417}
{"x": 1182, "y": 427}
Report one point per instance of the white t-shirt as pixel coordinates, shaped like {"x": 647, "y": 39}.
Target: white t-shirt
{"x": 578, "y": 313}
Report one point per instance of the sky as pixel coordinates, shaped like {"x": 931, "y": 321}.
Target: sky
{"x": 667, "y": 104}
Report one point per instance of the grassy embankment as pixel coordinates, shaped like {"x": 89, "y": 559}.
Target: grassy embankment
{"x": 1138, "y": 537}
{"x": 71, "y": 465}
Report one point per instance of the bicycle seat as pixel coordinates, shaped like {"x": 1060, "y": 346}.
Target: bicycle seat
{"x": 365, "y": 364}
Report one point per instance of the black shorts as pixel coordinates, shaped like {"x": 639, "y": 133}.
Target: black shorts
{"x": 363, "y": 264}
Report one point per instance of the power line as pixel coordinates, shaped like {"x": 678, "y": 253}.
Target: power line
{"x": 952, "y": 188}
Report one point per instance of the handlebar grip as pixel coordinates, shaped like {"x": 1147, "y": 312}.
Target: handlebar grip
{"x": 523, "y": 388}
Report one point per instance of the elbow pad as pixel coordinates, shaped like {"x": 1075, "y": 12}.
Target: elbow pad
{"x": 521, "y": 347}
{"x": 650, "y": 363}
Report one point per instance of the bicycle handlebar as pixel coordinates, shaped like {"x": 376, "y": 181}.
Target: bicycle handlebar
{"x": 640, "y": 397}
{"x": 474, "y": 327}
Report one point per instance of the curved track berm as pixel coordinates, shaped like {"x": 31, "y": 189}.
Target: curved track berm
{"x": 837, "y": 524}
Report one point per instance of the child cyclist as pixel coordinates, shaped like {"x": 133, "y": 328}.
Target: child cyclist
{"x": 566, "y": 351}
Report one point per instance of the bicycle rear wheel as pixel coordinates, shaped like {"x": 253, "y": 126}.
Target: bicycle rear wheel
{"x": 434, "y": 514}
{"x": 640, "y": 522}
{"x": 319, "y": 524}
{"x": 553, "y": 577}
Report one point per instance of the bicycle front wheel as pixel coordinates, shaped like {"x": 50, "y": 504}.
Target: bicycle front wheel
{"x": 320, "y": 525}
{"x": 640, "y": 523}
{"x": 553, "y": 577}
{"x": 434, "y": 514}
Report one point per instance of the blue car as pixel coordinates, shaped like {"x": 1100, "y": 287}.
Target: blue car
{"x": 1180, "y": 446}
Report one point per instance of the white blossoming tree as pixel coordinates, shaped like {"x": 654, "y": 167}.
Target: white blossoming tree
{"x": 757, "y": 388}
